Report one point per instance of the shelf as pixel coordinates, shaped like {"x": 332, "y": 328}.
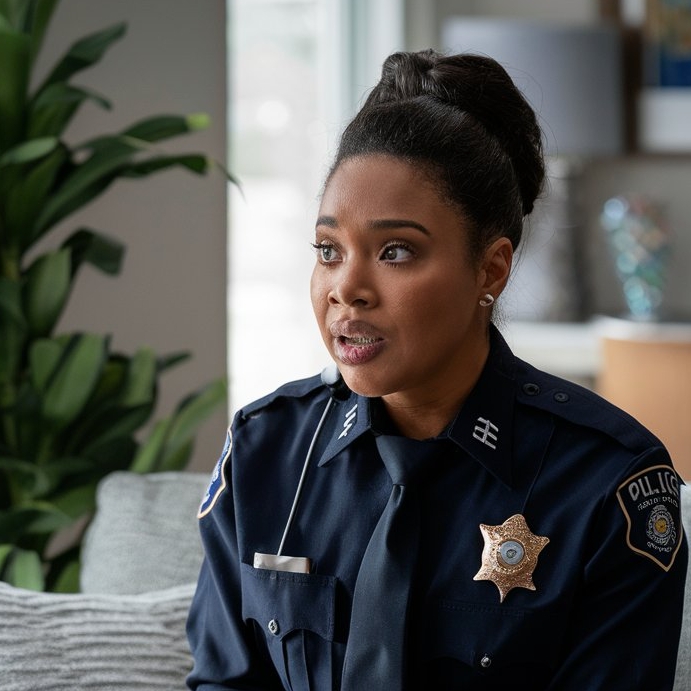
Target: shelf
{"x": 574, "y": 350}
{"x": 569, "y": 350}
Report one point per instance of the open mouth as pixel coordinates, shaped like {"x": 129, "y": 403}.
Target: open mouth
{"x": 357, "y": 350}
{"x": 359, "y": 340}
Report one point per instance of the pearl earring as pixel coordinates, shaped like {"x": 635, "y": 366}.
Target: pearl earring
{"x": 487, "y": 300}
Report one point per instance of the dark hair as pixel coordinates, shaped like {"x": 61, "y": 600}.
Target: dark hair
{"x": 464, "y": 122}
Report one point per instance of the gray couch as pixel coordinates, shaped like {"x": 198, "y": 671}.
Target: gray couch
{"x": 126, "y": 630}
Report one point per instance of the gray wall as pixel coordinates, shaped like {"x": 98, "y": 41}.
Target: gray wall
{"x": 171, "y": 295}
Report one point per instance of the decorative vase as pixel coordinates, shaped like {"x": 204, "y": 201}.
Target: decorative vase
{"x": 639, "y": 240}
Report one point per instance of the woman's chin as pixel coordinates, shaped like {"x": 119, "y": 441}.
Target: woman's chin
{"x": 365, "y": 384}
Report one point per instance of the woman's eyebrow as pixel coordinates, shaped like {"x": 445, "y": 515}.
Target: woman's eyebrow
{"x": 328, "y": 221}
{"x": 388, "y": 223}
{"x": 379, "y": 224}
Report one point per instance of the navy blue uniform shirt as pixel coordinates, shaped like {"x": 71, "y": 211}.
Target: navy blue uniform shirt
{"x": 607, "y": 605}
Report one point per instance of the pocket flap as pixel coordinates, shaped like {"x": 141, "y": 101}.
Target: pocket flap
{"x": 281, "y": 602}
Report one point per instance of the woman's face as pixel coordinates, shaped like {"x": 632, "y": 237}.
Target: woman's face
{"x": 394, "y": 291}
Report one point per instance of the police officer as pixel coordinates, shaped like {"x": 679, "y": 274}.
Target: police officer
{"x": 445, "y": 516}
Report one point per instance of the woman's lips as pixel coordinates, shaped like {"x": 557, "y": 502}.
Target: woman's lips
{"x": 355, "y": 342}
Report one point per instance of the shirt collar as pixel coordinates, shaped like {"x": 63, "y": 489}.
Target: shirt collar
{"x": 352, "y": 420}
{"x": 482, "y": 428}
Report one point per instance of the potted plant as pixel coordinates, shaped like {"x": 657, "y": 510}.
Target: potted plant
{"x": 71, "y": 409}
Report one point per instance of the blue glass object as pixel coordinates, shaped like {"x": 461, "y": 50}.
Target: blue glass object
{"x": 639, "y": 240}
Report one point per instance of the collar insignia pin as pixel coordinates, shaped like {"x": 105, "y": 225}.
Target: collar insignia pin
{"x": 486, "y": 432}
{"x": 349, "y": 421}
{"x": 510, "y": 555}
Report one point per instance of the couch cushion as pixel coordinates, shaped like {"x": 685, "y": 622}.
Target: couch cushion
{"x": 51, "y": 642}
{"x": 145, "y": 533}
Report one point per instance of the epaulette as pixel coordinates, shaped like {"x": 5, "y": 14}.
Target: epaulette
{"x": 581, "y": 406}
{"x": 294, "y": 389}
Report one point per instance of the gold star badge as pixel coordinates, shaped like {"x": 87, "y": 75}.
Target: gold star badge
{"x": 510, "y": 555}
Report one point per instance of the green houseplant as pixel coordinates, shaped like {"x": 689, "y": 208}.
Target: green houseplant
{"x": 71, "y": 409}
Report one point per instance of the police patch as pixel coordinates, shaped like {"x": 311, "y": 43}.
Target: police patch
{"x": 650, "y": 502}
{"x": 218, "y": 480}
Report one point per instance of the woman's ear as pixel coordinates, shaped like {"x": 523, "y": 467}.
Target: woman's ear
{"x": 496, "y": 267}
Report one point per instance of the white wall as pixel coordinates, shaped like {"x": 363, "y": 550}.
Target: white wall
{"x": 171, "y": 294}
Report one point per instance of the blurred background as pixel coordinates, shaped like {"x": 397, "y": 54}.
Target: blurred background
{"x": 223, "y": 271}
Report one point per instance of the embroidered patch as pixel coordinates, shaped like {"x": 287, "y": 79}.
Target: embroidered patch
{"x": 218, "y": 480}
{"x": 650, "y": 502}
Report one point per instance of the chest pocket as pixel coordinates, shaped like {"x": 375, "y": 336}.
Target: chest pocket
{"x": 505, "y": 647}
{"x": 296, "y": 612}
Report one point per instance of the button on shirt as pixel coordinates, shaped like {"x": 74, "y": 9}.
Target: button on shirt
{"x": 580, "y": 472}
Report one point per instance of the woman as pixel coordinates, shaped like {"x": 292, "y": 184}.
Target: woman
{"x": 462, "y": 520}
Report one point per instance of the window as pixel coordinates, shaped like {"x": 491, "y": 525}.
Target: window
{"x": 297, "y": 72}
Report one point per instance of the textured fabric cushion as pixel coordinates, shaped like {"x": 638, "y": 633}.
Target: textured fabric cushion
{"x": 683, "y": 677}
{"x": 51, "y": 642}
{"x": 145, "y": 535}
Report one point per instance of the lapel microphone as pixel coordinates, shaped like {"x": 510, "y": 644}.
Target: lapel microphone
{"x": 333, "y": 381}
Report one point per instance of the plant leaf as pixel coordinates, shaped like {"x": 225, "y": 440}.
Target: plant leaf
{"x": 44, "y": 356}
{"x": 47, "y": 287}
{"x": 31, "y": 518}
{"x": 28, "y": 151}
{"x": 54, "y": 107}
{"x": 170, "y": 443}
{"x": 146, "y": 458}
{"x": 26, "y": 197}
{"x": 108, "y": 454}
{"x": 5, "y": 551}
{"x": 25, "y": 570}
{"x": 172, "y": 360}
{"x": 195, "y": 163}
{"x": 68, "y": 579}
{"x": 86, "y": 181}
{"x": 140, "y": 385}
{"x": 176, "y": 458}
{"x": 28, "y": 16}
{"x": 194, "y": 410}
{"x": 10, "y": 302}
{"x": 76, "y": 502}
{"x": 83, "y": 54}
{"x": 14, "y": 13}
{"x": 74, "y": 380}
{"x": 40, "y": 15}
{"x": 34, "y": 480}
{"x": 15, "y": 57}
{"x": 99, "y": 250}
{"x": 166, "y": 126}
{"x": 108, "y": 426}
{"x": 12, "y": 329}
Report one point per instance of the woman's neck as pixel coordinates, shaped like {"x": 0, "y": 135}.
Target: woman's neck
{"x": 423, "y": 415}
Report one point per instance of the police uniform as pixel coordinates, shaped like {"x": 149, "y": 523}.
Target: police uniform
{"x": 533, "y": 468}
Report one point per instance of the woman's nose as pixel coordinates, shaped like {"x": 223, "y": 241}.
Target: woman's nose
{"x": 352, "y": 286}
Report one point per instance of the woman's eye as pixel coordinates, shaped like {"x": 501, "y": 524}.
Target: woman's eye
{"x": 396, "y": 253}
{"x": 325, "y": 253}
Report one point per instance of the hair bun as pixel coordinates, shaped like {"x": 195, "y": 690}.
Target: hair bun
{"x": 481, "y": 87}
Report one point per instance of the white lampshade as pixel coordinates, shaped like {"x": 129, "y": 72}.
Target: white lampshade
{"x": 570, "y": 74}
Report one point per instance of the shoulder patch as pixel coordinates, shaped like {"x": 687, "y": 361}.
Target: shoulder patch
{"x": 218, "y": 479}
{"x": 650, "y": 502}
